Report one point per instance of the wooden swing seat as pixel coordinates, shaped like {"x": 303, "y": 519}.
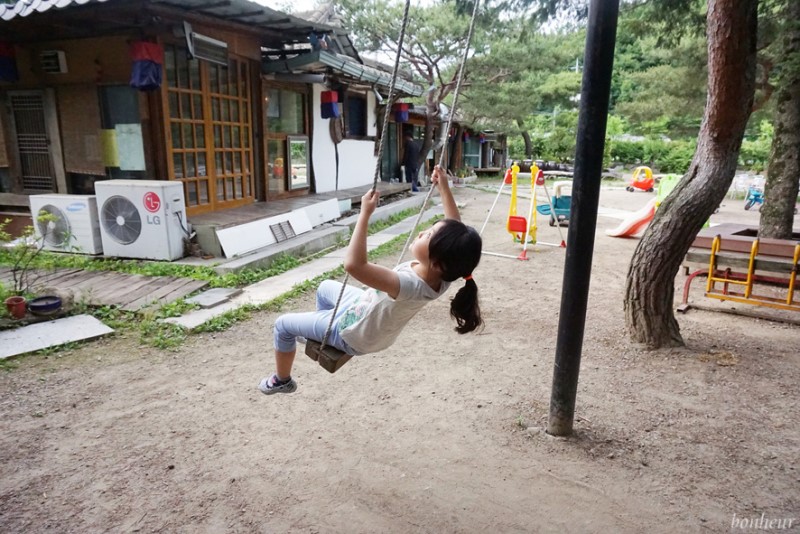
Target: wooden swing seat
{"x": 331, "y": 359}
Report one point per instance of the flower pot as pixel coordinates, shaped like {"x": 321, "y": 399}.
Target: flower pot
{"x": 16, "y": 306}
{"x": 47, "y": 305}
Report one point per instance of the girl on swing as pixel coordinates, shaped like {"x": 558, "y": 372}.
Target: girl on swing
{"x": 370, "y": 320}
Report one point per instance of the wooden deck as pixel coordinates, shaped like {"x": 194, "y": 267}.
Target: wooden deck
{"x": 129, "y": 292}
{"x": 262, "y": 210}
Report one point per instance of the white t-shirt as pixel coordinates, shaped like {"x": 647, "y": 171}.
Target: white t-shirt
{"x": 374, "y": 321}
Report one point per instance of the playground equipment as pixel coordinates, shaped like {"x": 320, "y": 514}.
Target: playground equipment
{"x": 642, "y": 180}
{"x": 638, "y": 220}
{"x": 755, "y": 195}
{"x": 523, "y": 229}
{"x": 732, "y": 255}
{"x": 559, "y": 209}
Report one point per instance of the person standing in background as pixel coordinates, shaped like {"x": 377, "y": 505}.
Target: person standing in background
{"x": 411, "y": 150}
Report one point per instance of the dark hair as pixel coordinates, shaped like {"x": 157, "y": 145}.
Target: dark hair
{"x": 456, "y": 250}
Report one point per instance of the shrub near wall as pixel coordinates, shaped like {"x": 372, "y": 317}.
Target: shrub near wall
{"x": 661, "y": 155}
{"x": 627, "y": 152}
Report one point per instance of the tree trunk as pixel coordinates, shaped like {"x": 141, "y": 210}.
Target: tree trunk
{"x": 731, "y": 31}
{"x": 783, "y": 173}
{"x": 432, "y": 119}
{"x": 455, "y": 162}
{"x": 526, "y": 137}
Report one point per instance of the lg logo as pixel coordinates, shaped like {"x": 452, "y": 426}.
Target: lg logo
{"x": 151, "y": 202}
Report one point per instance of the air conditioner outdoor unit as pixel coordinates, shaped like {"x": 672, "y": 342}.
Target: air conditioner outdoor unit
{"x": 142, "y": 218}
{"x": 74, "y": 225}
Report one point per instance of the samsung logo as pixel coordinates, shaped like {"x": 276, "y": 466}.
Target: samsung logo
{"x": 76, "y": 206}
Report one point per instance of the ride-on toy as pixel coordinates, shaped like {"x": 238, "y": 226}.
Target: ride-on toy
{"x": 642, "y": 180}
{"x": 755, "y": 195}
{"x": 562, "y": 203}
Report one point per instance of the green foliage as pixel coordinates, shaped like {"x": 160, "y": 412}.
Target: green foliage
{"x": 677, "y": 158}
{"x": 519, "y": 73}
{"x": 627, "y": 152}
{"x": 662, "y": 155}
{"x": 754, "y": 155}
{"x": 161, "y": 335}
{"x": 113, "y": 317}
{"x": 434, "y": 45}
{"x": 227, "y": 319}
{"x": 756, "y": 151}
{"x": 22, "y": 256}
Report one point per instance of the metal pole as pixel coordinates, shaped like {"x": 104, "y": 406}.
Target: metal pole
{"x": 595, "y": 90}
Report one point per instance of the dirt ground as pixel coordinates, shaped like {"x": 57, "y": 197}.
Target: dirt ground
{"x": 440, "y": 433}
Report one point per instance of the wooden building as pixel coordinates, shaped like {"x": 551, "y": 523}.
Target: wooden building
{"x": 235, "y": 117}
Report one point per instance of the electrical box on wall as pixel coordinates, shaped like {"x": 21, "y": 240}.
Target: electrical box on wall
{"x": 53, "y": 61}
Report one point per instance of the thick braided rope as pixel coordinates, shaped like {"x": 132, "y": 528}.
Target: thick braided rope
{"x": 381, "y": 144}
{"x": 449, "y": 124}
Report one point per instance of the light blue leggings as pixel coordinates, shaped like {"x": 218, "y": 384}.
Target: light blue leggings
{"x": 312, "y": 325}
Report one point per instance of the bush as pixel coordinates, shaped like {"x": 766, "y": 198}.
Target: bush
{"x": 754, "y": 155}
{"x": 627, "y": 152}
{"x": 654, "y": 151}
{"x": 677, "y": 157}
{"x": 665, "y": 156}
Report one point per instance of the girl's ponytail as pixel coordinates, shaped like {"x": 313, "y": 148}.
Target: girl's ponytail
{"x": 464, "y": 307}
{"x": 456, "y": 250}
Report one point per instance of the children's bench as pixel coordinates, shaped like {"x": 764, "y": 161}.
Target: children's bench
{"x": 732, "y": 256}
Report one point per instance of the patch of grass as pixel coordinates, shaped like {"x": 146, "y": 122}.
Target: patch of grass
{"x": 65, "y": 347}
{"x": 114, "y": 317}
{"x": 160, "y": 335}
{"x": 227, "y": 319}
{"x": 8, "y": 365}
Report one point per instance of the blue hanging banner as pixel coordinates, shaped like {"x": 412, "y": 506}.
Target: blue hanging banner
{"x": 329, "y": 104}
{"x": 400, "y": 112}
{"x": 147, "y": 60}
{"x": 8, "y": 63}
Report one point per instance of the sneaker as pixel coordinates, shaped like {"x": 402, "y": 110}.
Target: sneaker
{"x": 270, "y": 385}
{"x": 415, "y": 189}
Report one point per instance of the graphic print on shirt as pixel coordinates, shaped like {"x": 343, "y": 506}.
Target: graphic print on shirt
{"x": 358, "y": 310}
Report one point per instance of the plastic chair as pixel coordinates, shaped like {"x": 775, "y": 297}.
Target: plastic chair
{"x": 740, "y": 184}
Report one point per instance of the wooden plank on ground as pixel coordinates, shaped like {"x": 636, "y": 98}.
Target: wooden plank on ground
{"x": 111, "y": 297}
{"x": 77, "y": 281}
{"x": 170, "y": 293}
{"x": 59, "y": 277}
{"x": 108, "y": 280}
{"x": 109, "y": 288}
{"x": 155, "y": 284}
{"x": 85, "y": 288}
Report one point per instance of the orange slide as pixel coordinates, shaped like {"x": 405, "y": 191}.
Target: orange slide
{"x": 636, "y": 222}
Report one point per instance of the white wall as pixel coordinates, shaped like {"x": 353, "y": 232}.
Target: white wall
{"x": 356, "y": 158}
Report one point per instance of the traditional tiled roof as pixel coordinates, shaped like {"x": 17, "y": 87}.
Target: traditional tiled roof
{"x": 278, "y": 27}
{"x": 23, "y": 8}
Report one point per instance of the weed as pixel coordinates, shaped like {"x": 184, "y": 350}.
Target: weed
{"x": 49, "y": 351}
{"x": 175, "y": 309}
{"x": 8, "y": 365}
{"x": 161, "y": 335}
{"x": 226, "y": 320}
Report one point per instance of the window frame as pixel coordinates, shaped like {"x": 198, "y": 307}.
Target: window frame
{"x": 350, "y": 96}
{"x": 282, "y": 138}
